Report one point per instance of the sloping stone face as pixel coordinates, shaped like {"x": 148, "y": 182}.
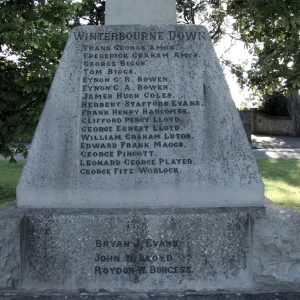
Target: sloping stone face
{"x": 140, "y": 116}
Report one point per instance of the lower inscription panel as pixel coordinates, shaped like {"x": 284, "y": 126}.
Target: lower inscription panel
{"x": 140, "y": 251}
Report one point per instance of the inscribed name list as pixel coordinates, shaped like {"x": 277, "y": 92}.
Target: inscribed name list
{"x": 136, "y": 104}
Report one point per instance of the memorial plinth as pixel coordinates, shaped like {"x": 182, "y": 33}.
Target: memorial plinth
{"x": 139, "y": 116}
{"x": 144, "y": 251}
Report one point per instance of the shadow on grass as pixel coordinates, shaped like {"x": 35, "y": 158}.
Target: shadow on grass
{"x": 287, "y": 170}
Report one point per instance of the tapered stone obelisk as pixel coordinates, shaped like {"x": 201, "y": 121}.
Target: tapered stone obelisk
{"x": 139, "y": 116}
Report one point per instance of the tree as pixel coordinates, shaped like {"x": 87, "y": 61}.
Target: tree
{"x": 32, "y": 37}
{"x": 90, "y": 12}
{"x": 294, "y": 110}
{"x": 271, "y": 31}
{"x": 204, "y": 12}
{"x": 275, "y": 104}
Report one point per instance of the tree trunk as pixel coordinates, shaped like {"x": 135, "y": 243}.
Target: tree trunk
{"x": 294, "y": 110}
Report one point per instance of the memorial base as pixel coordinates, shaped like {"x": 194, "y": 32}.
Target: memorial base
{"x": 137, "y": 251}
{"x": 149, "y": 252}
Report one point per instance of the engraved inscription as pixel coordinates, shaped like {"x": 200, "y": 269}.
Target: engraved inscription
{"x": 148, "y": 261}
{"x": 131, "y": 111}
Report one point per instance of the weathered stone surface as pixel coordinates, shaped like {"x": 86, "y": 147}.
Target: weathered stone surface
{"x": 276, "y": 249}
{"x": 145, "y": 121}
{"x": 139, "y": 252}
{"x": 9, "y": 248}
{"x": 142, "y": 12}
{"x": 273, "y": 246}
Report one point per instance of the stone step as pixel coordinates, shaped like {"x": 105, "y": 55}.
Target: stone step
{"x": 153, "y": 296}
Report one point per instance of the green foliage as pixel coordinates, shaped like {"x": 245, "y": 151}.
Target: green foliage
{"x": 271, "y": 31}
{"x": 243, "y": 108}
{"x": 32, "y": 37}
{"x": 275, "y": 104}
{"x": 208, "y": 13}
{"x": 91, "y": 12}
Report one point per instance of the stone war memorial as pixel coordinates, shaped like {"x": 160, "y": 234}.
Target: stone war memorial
{"x": 140, "y": 178}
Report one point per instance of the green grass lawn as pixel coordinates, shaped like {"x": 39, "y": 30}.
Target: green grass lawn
{"x": 281, "y": 178}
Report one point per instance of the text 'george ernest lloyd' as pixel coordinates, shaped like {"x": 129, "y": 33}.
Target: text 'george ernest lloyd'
{"x": 139, "y": 116}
